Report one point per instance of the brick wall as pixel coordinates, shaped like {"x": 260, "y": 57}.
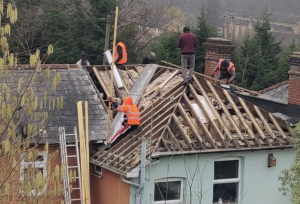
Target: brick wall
{"x": 216, "y": 48}
{"x": 294, "y": 79}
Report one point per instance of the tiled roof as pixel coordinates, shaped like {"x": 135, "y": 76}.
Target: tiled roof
{"x": 199, "y": 118}
{"x": 75, "y": 86}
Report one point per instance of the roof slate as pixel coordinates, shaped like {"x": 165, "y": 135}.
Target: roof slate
{"x": 75, "y": 86}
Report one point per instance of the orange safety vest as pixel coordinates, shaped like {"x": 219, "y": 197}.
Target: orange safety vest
{"x": 131, "y": 111}
{"x": 231, "y": 66}
{"x": 124, "y": 58}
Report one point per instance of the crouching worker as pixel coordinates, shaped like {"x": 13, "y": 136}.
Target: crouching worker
{"x": 226, "y": 70}
{"x": 131, "y": 120}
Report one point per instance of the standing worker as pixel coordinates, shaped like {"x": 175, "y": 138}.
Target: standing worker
{"x": 187, "y": 42}
{"x": 83, "y": 60}
{"x": 131, "y": 120}
{"x": 150, "y": 58}
{"x": 226, "y": 71}
{"x": 120, "y": 57}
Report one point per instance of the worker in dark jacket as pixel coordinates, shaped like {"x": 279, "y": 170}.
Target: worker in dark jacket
{"x": 150, "y": 58}
{"x": 120, "y": 57}
{"x": 226, "y": 70}
{"x": 131, "y": 120}
{"x": 187, "y": 42}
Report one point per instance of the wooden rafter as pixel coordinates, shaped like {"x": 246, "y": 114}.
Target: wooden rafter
{"x": 277, "y": 126}
{"x": 174, "y": 138}
{"x": 262, "y": 135}
{"x": 217, "y": 115}
{"x": 100, "y": 81}
{"x": 227, "y": 113}
{"x": 183, "y": 134}
{"x": 186, "y": 118}
{"x": 220, "y": 135}
{"x": 204, "y": 128}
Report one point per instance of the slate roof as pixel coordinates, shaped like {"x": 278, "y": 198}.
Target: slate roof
{"x": 75, "y": 86}
{"x": 200, "y": 118}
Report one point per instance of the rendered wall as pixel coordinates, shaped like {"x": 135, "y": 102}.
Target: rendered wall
{"x": 259, "y": 183}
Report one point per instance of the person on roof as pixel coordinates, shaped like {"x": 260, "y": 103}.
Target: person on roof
{"x": 150, "y": 58}
{"x": 120, "y": 57}
{"x": 83, "y": 60}
{"x": 187, "y": 42}
{"x": 131, "y": 120}
{"x": 226, "y": 71}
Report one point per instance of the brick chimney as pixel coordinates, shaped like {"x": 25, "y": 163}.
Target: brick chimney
{"x": 215, "y": 49}
{"x": 294, "y": 78}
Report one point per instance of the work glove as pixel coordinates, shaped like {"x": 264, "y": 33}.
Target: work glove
{"x": 111, "y": 99}
{"x": 213, "y": 74}
{"x": 229, "y": 81}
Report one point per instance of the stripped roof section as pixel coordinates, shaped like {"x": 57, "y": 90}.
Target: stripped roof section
{"x": 198, "y": 118}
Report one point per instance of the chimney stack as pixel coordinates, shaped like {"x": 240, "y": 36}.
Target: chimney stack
{"x": 294, "y": 78}
{"x": 216, "y": 48}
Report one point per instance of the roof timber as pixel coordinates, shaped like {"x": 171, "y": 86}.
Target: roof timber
{"x": 171, "y": 127}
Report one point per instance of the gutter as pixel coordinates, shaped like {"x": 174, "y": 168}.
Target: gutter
{"x": 165, "y": 154}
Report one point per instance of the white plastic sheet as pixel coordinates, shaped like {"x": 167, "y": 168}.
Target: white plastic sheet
{"x": 115, "y": 70}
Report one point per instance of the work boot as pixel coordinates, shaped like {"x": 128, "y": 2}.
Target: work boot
{"x": 108, "y": 146}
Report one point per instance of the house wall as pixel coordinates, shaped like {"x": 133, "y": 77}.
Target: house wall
{"x": 259, "y": 183}
{"x": 110, "y": 189}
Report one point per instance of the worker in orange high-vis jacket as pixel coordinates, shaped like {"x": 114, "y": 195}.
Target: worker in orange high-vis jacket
{"x": 226, "y": 71}
{"x": 120, "y": 57}
{"x": 130, "y": 123}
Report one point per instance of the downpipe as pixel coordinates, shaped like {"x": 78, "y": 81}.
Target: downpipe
{"x": 139, "y": 192}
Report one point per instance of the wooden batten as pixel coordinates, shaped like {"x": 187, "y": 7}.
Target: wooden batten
{"x": 174, "y": 138}
{"x": 277, "y": 126}
{"x": 101, "y": 81}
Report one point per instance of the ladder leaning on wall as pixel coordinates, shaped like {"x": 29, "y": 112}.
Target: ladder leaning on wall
{"x": 65, "y": 161}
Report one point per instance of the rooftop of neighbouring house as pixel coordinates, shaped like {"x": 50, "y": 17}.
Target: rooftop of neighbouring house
{"x": 199, "y": 118}
{"x": 75, "y": 85}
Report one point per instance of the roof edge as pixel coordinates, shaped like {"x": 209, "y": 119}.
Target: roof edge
{"x": 164, "y": 154}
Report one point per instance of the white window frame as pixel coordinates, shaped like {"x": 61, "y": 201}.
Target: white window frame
{"x": 233, "y": 180}
{"x": 96, "y": 172}
{"x": 38, "y": 165}
{"x": 170, "y": 201}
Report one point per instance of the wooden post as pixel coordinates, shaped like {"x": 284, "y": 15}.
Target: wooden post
{"x": 82, "y": 153}
{"x": 87, "y": 152}
{"x": 112, "y": 75}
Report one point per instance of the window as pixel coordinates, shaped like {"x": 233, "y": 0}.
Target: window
{"x": 97, "y": 171}
{"x": 227, "y": 178}
{"x": 32, "y": 169}
{"x": 168, "y": 191}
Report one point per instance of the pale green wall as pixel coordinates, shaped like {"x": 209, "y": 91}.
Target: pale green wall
{"x": 259, "y": 183}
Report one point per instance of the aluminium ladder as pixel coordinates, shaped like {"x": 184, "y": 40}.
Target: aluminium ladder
{"x": 64, "y": 158}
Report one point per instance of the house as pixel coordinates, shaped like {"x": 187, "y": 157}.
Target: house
{"x": 147, "y": 34}
{"x": 195, "y": 144}
{"x": 75, "y": 85}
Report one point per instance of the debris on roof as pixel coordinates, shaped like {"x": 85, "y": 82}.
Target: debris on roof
{"x": 195, "y": 119}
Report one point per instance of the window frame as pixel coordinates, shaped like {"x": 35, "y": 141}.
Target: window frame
{"x": 232, "y": 180}
{"x": 170, "y": 180}
{"x": 38, "y": 165}
{"x": 97, "y": 173}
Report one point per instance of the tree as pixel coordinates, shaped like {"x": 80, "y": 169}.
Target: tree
{"x": 290, "y": 178}
{"x": 259, "y": 56}
{"x": 166, "y": 47}
{"x": 22, "y": 118}
{"x": 203, "y": 31}
{"x": 174, "y": 12}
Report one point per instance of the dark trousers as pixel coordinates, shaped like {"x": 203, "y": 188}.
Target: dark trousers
{"x": 123, "y": 132}
{"x": 226, "y": 76}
